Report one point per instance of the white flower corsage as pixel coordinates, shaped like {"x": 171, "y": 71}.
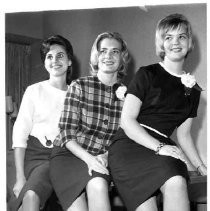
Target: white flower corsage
{"x": 188, "y": 81}
{"x": 120, "y": 92}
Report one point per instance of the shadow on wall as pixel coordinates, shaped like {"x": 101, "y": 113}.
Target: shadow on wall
{"x": 193, "y": 59}
{"x": 76, "y": 69}
{"x": 130, "y": 71}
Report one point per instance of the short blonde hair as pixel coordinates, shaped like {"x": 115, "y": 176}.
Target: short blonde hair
{"x": 171, "y": 22}
{"x": 96, "y": 48}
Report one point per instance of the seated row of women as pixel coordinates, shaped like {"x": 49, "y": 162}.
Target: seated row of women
{"x": 75, "y": 138}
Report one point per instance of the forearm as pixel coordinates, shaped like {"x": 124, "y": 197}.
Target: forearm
{"x": 137, "y": 133}
{"x": 19, "y": 155}
{"x": 190, "y": 150}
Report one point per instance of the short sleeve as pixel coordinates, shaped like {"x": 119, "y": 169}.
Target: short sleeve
{"x": 139, "y": 84}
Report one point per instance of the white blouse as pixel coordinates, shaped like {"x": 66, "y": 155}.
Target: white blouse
{"x": 39, "y": 114}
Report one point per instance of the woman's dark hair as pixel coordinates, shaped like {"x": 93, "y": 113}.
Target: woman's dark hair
{"x": 59, "y": 40}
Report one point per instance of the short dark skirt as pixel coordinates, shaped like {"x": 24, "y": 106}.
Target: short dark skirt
{"x": 69, "y": 176}
{"x": 36, "y": 166}
{"x": 138, "y": 172}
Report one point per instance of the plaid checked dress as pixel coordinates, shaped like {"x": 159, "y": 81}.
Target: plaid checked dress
{"x": 91, "y": 117}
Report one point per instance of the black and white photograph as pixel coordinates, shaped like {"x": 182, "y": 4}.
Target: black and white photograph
{"x": 104, "y": 106}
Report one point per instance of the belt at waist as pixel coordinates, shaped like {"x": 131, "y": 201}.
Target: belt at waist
{"x": 154, "y": 130}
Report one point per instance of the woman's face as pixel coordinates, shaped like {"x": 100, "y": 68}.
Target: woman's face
{"x": 57, "y": 61}
{"x": 176, "y": 44}
{"x": 109, "y": 58}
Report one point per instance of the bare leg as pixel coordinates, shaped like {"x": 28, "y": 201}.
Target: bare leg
{"x": 175, "y": 195}
{"x": 31, "y": 201}
{"x": 149, "y": 205}
{"x": 80, "y": 204}
{"x": 98, "y": 187}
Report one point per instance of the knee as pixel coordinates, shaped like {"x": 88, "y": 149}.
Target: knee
{"x": 175, "y": 183}
{"x": 97, "y": 185}
{"x": 30, "y": 195}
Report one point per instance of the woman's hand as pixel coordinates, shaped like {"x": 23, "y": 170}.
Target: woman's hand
{"x": 103, "y": 159}
{"x": 18, "y": 186}
{"x": 96, "y": 163}
{"x": 202, "y": 170}
{"x": 174, "y": 152}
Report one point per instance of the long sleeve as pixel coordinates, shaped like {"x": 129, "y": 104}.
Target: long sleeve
{"x": 39, "y": 114}
{"x": 90, "y": 115}
{"x": 70, "y": 116}
{"x": 24, "y": 121}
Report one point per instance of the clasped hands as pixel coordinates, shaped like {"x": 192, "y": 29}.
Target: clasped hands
{"x": 98, "y": 163}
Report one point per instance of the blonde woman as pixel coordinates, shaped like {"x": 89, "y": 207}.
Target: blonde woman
{"x": 161, "y": 97}
{"x": 90, "y": 118}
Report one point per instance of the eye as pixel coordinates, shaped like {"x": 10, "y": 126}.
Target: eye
{"x": 116, "y": 52}
{"x": 168, "y": 37}
{"x": 49, "y": 57}
{"x": 102, "y": 51}
{"x": 60, "y": 55}
{"x": 182, "y": 37}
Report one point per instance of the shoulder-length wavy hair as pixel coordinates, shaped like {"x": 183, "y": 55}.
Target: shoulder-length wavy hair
{"x": 59, "y": 40}
{"x": 96, "y": 48}
{"x": 171, "y": 22}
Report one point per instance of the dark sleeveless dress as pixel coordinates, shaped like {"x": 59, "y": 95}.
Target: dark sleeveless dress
{"x": 137, "y": 171}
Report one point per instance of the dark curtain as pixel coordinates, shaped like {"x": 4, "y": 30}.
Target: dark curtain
{"x": 17, "y": 70}
{"x": 17, "y": 78}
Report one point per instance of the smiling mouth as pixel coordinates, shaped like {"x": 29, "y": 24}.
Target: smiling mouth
{"x": 56, "y": 66}
{"x": 108, "y": 63}
{"x": 176, "y": 49}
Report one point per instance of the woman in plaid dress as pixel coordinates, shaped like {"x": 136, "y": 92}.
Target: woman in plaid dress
{"x": 90, "y": 118}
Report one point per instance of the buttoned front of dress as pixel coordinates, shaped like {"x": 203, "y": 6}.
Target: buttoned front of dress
{"x": 91, "y": 115}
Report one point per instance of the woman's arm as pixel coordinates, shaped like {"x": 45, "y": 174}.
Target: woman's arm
{"x": 19, "y": 155}
{"x": 24, "y": 122}
{"x": 136, "y": 132}
{"x": 132, "y": 128}
{"x": 21, "y": 131}
{"x": 188, "y": 146}
{"x": 69, "y": 122}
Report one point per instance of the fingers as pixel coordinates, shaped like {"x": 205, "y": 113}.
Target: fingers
{"x": 16, "y": 193}
{"x": 18, "y": 187}
{"x": 179, "y": 154}
{"x": 90, "y": 171}
{"x": 174, "y": 152}
{"x": 100, "y": 170}
{"x": 98, "y": 167}
{"x": 202, "y": 171}
{"x": 102, "y": 161}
